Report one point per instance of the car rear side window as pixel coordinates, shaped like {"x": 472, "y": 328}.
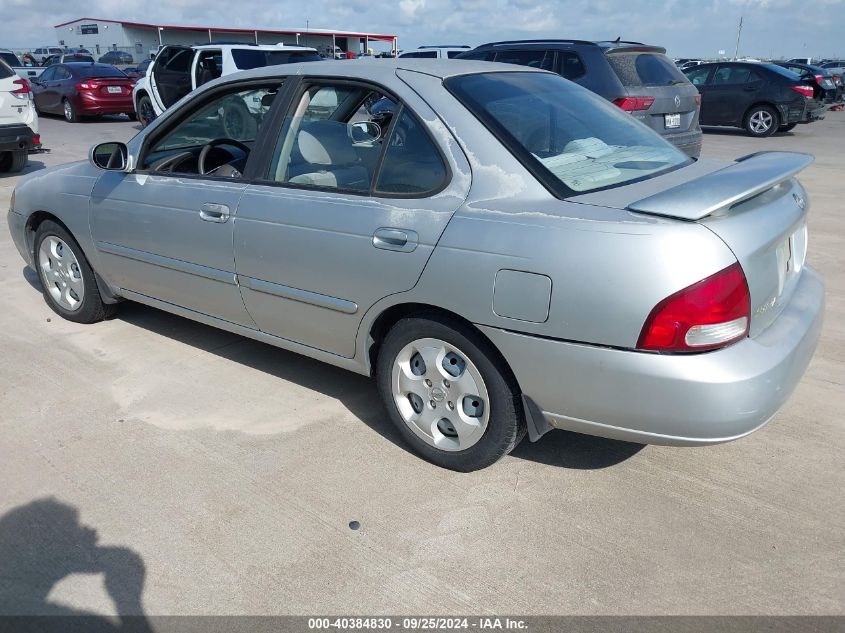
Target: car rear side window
{"x": 645, "y": 69}
{"x": 571, "y": 65}
{"x": 247, "y": 59}
{"x": 532, "y": 59}
{"x": 11, "y": 59}
{"x": 5, "y": 70}
{"x": 426, "y": 54}
{"x": 411, "y": 164}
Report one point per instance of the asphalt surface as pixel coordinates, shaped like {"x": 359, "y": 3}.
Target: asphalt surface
{"x": 150, "y": 464}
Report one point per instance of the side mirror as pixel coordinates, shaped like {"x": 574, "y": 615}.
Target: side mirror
{"x": 364, "y": 131}
{"x": 111, "y": 156}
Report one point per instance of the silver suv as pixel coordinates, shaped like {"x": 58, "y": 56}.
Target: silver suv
{"x": 638, "y": 78}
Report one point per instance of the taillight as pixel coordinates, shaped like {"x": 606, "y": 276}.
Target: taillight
{"x": 85, "y": 86}
{"x": 819, "y": 79}
{"x": 36, "y": 140}
{"x": 709, "y": 314}
{"x": 23, "y": 91}
{"x": 630, "y": 104}
{"x": 807, "y": 91}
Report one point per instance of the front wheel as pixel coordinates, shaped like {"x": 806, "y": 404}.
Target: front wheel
{"x": 67, "y": 280}
{"x": 761, "y": 121}
{"x": 448, "y": 393}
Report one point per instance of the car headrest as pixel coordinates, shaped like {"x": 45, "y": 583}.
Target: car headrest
{"x": 326, "y": 143}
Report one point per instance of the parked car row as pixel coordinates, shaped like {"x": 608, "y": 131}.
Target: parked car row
{"x": 484, "y": 246}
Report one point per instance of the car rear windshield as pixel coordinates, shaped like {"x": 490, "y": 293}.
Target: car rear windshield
{"x": 11, "y": 59}
{"x": 246, "y": 59}
{"x": 99, "y": 71}
{"x": 780, "y": 70}
{"x": 645, "y": 69}
{"x": 570, "y": 138}
{"x": 78, "y": 58}
{"x": 5, "y": 70}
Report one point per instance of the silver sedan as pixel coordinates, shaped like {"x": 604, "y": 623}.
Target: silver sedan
{"x": 504, "y": 251}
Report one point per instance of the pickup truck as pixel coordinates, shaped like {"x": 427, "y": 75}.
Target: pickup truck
{"x": 24, "y": 72}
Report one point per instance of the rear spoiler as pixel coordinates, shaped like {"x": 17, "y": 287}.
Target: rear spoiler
{"x": 747, "y": 177}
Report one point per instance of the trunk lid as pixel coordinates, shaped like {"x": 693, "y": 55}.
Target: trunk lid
{"x": 754, "y": 205}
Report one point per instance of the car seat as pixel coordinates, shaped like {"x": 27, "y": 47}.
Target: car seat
{"x": 325, "y": 156}
{"x": 208, "y": 71}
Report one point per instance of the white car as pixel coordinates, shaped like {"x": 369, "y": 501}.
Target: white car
{"x": 437, "y": 52}
{"x": 177, "y": 70}
{"x": 18, "y": 120}
{"x": 43, "y": 52}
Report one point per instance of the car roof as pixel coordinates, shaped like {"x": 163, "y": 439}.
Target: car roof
{"x": 383, "y": 70}
{"x": 604, "y": 44}
{"x": 254, "y": 47}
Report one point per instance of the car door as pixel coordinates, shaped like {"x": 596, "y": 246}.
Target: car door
{"x": 341, "y": 219}
{"x": 732, "y": 89}
{"x": 170, "y": 79}
{"x": 40, "y": 89}
{"x": 164, "y": 231}
{"x": 699, "y": 77}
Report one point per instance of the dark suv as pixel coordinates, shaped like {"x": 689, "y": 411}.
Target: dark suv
{"x": 638, "y": 78}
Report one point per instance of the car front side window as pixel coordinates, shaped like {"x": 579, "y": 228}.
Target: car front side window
{"x": 215, "y": 139}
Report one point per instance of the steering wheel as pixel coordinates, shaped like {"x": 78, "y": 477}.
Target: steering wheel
{"x": 216, "y": 143}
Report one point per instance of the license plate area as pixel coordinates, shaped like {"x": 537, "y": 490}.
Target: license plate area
{"x": 672, "y": 120}
{"x": 115, "y": 90}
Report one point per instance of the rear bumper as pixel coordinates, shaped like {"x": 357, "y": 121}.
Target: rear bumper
{"x": 677, "y": 400}
{"x": 687, "y": 142}
{"x": 17, "y": 137}
{"x": 94, "y": 105}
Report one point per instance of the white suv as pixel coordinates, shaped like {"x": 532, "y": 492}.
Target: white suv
{"x": 177, "y": 70}
{"x": 436, "y": 52}
{"x": 42, "y": 53}
{"x": 18, "y": 120}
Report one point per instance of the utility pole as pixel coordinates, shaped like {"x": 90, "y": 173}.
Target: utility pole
{"x": 738, "y": 33}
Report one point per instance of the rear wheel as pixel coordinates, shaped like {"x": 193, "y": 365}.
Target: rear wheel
{"x": 67, "y": 280}
{"x": 787, "y": 128}
{"x": 146, "y": 113}
{"x": 445, "y": 389}
{"x": 13, "y": 162}
{"x": 71, "y": 116}
{"x": 761, "y": 121}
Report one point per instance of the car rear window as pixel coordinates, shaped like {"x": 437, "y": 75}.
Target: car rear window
{"x": 78, "y": 58}
{"x": 571, "y": 139}
{"x": 11, "y": 59}
{"x": 645, "y": 69}
{"x": 5, "y": 70}
{"x": 98, "y": 70}
{"x": 246, "y": 59}
{"x": 780, "y": 70}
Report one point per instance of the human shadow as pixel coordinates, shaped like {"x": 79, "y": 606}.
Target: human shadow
{"x": 41, "y": 543}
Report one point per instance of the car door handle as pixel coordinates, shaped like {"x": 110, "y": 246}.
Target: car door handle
{"x": 213, "y": 212}
{"x": 389, "y": 239}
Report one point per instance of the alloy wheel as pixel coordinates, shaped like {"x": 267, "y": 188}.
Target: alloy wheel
{"x": 60, "y": 273}
{"x": 440, "y": 394}
{"x": 761, "y": 121}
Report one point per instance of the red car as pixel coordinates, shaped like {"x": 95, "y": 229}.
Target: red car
{"x": 83, "y": 89}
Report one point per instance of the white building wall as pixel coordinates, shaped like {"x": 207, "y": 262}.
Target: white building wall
{"x": 107, "y": 36}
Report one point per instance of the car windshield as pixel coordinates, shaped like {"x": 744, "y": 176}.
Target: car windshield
{"x": 246, "y": 59}
{"x": 11, "y": 59}
{"x": 571, "y": 139}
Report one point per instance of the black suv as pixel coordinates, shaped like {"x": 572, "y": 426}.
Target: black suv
{"x": 638, "y": 78}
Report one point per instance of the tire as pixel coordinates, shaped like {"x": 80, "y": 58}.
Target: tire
{"x": 70, "y": 291}
{"x": 238, "y": 122}
{"x": 493, "y": 428}
{"x": 761, "y": 121}
{"x": 13, "y": 162}
{"x": 787, "y": 128}
{"x": 145, "y": 111}
{"x": 70, "y": 113}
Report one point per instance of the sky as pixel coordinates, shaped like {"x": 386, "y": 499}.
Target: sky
{"x": 687, "y": 28}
